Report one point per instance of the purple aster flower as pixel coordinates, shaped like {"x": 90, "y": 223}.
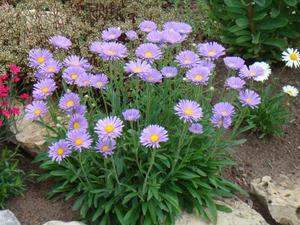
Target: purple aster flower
{"x": 78, "y": 109}
{"x": 206, "y": 63}
{"x": 234, "y": 62}
{"x": 39, "y": 76}
{"x": 43, "y": 88}
{"x": 39, "y": 56}
{"x": 235, "y": 83}
{"x": 251, "y": 71}
{"x": 180, "y": 27}
{"x": 131, "y": 35}
{"x": 211, "y": 50}
{"x": 172, "y": 37}
{"x": 137, "y": 67}
{"x": 74, "y": 60}
{"x": 111, "y": 33}
{"x": 71, "y": 74}
{"x": 223, "y": 109}
{"x": 221, "y": 121}
{"x": 169, "y": 71}
{"x": 109, "y": 128}
{"x": 84, "y": 80}
{"x": 60, "y": 41}
{"x": 188, "y": 110}
{"x": 196, "y": 128}
{"x": 198, "y": 75}
{"x": 79, "y": 139}
{"x": 36, "y": 110}
{"x": 78, "y": 122}
{"x": 112, "y": 51}
{"x": 96, "y": 47}
{"x": 153, "y": 135}
{"x": 50, "y": 68}
{"x": 59, "y": 150}
{"x": 131, "y": 114}
{"x": 147, "y": 26}
{"x": 69, "y": 101}
{"x": 148, "y": 51}
{"x": 187, "y": 59}
{"x": 153, "y": 76}
{"x": 99, "y": 81}
{"x": 250, "y": 98}
{"x": 106, "y": 147}
{"x": 154, "y": 36}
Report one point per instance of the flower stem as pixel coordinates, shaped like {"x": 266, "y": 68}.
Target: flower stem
{"x": 152, "y": 160}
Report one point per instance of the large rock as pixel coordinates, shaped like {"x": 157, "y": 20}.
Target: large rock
{"x": 56, "y": 222}
{"x": 241, "y": 214}
{"x": 281, "y": 197}
{"x": 8, "y": 218}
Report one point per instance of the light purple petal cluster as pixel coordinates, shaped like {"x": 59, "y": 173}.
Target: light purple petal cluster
{"x": 172, "y": 37}
{"x": 79, "y": 139}
{"x": 59, "y": 150}
{"x": 153, "y": 76}
{"x": 99, "y": 81}
{"x": 180, "y": 27}
{"x": 44, "y": 88}
{"x": 131, "y": 35}
{"x": 72, "y": 73}
{"x": 235, "y": 83}
{"x": 198, "y": 75}
{"x": 137, "y": 67}
{"x": 221, "y": 121}
{"x": 147, "y": 26}
{"x": 250, "y": 98}
{"x": 148, "y": 52}
{"x": 196, "y": 128}
{"x": 223, "y": 109}
{"x": 69, "y": 101}
{"x": 234, "y": 62}
{"x": 188, "y": 110}
{"x": 36, "y": 110}
{"x": 155, "y": 36}
{"x": 60, "y": 41}
{"x": 153, "y": 135}
{"x": 187, "y": 59}
{"x": 110, "y": 127}
{"x": 78, "y": 122}
{"x": 96, "y": 47}
{"x": 113, "y": 51}
{"x": 211, "y": 50}
{"x": 169, "y": 71}
{"x": 74, "y": 60}
{"x": 251, "y": 71}
{"x": 50, "y": 68}
{"x": 106, "y": 147}
{"x": 37, "y": 57}
{"x": 207, "y": 63}
{"x": 84, "y": 80}
{"x": 111, "y": 33}
{"x": 131, "y": 114}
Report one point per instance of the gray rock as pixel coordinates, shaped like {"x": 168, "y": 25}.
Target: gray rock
{"x": 56, "y": 222}
{"x": 8, "y": 218}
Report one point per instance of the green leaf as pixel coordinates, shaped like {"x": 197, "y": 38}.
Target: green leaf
{"x": 212, "y": 209}
{"x": 272, "y": 23}
{"x": 291, "y": 2}
{"x": 242, "y": 22}
{"x": 261, "y": 3}
{"x": 276, "y": 42}
{"x": 243, "y": 39}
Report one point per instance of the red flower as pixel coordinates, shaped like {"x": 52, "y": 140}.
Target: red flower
{"x": 3, "y": 77}
{"x": 3, "y": 91}
{"x": 15, "y": 79}
{"x": 24, "y": 96}
{"x": 14, "y": 69}
{"x": 6, "y": 113}
{"x": 1, "y": 122}
{"x": 4, "y": 104}
{"x": 15, "y": 111}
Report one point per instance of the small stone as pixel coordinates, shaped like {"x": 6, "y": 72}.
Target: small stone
{"x": 8, "y": 218}
{"x": 56, "y": 222}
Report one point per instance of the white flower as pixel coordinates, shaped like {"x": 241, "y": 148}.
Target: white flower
{"x": 290, "y": 90}
{"x": 291, "y": 57}
{"x": 266, "y": 71}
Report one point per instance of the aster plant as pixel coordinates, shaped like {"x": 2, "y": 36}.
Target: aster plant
{"x": 144, "y": 135}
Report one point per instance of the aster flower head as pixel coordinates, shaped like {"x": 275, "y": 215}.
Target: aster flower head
{"x": 110, "y": 127}
{"x": 96, "y": 47}
{"x": 78, "y": 109}
{"x": 251, "y": 71}
{"x": 172, "y": 37}
{"x": 169, "y": 71}
{"x": 131, "y": 35}
{"x": 111, "y": 33}
{"x": 180, "y": 27}
{"x": 266, "y": 71}
{"x": 291, "y": 57}
{"x": 131, "y": 114}
{"x": 147, "y": 26}
{"x": 148, "y": 51}
{"x": 188, "y": 110}
{"x": 290, "y": 90}
{"x": 72, "y": 73}
{"x": 84, "y": 80}
{"x": 36, "y": 110}
{"x": 99, "y": 81}
{"x": 250, "y": 98}
{"x": 74, "y": 60}
{"x": 221, "y": 121}
{"x": 196, "y": 128}
{"x": 78, "y": 122}
{"x": 235, "y": 83}
{"x": 113, "y": 51}
{"x": 59, "y": 150}
{"x": 153, "y": 76}
{"x": 60, "y": 41}
{"x": 198, "y": 75}
{"x": 155, "y": 36}
{"x": 79, "y": 139}
{"x": 207, "y": 63}
{"x": 223, "y": 109}
{"x": 211, "y": 50}
{"x": 137, "y": 67}
{"x": 44, "y": 88}
{"x": 50, "y": 68}
{"x": 37, "y": 57}
{"x": 187, "y": 59}
{"x": 153, "y": 135}
{"x": 234, "y": 62}
{"x": 106, "y": 147}
{"x": 69, "y": 101}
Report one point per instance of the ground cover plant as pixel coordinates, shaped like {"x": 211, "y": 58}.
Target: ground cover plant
{"x": 142, "y": 130}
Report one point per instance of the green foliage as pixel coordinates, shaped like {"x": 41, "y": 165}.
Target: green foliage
{"x": 257, "y": 29}
{"x": 11, "y": 176}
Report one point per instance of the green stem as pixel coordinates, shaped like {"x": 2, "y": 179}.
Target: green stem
{"x": 83, "y": 170}
{"x": 115, "y": 170}
{"x": 104, "y": 101}
{"x": 152, "y": 160}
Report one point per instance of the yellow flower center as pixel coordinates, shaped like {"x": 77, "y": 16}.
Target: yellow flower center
{"x": 109, "y": 128}
{"x": 40, "y": 59}
{"x": 154, "y": 137}
{"x": 76, "y": 125}
{"x": 249, "y": 100}
{"x": 78, "y": 141}
{"x": 148, "y": 54}
{"x": 252, "y": 73}
{"x": 294, "y": 56}
{"x": 45, "y": 90}
{"x": 224, "y": 113}
{"x": 220, "y": 122}
{"x": 198, "y": 77}
{"x": 110, "y": 52}
{"x": 51, "y": 69}
{"x": 137, "y": 69}
{"x": 290, "y": 92}
{"x": 70, "y": 103}
{"x": 187, "y": 61}
{"x": 105, "y": 148}
{"x": 74, "y": 76}
{"x": 37, "y": 112}
{"x": 188, "y": 112}
{"x": 211, "y": 52}
{"x": 60, "y": 151}
{"x": 99, "y": 83}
